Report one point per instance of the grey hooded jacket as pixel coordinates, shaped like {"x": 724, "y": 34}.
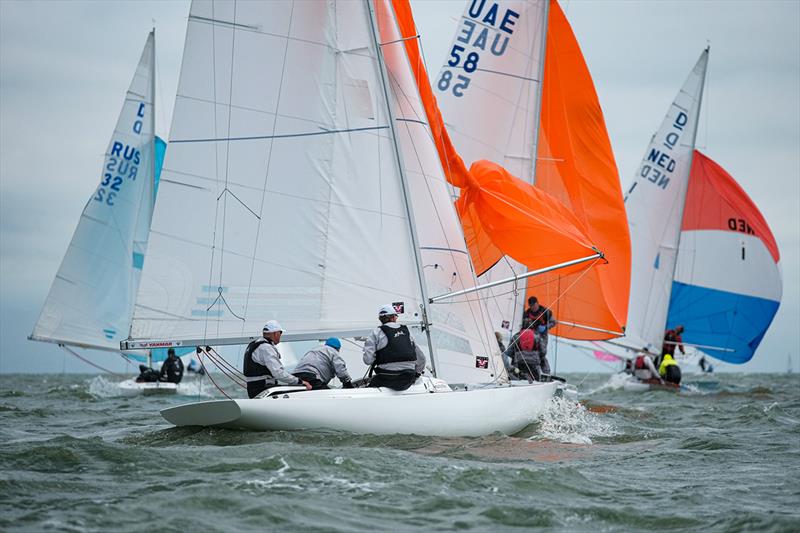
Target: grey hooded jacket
{"x": 377, "y": 340}
{"x": 324, "y": 362}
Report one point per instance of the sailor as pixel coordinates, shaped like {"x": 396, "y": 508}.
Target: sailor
{"x": 540, "y": 319}
{"x": 318, "y": 366}
{"x": 643, "y": 367}
{"x": 669, "y": 369}
{"x": 171, "y": 368}
{"x": 672, "y": 339}
{"x": 398, "y": 360}
{"x": 527, "y": 357}
{"x": 146, "y": 374}
{"x": 705, "y": 366}
{"x": 262, "y": 362}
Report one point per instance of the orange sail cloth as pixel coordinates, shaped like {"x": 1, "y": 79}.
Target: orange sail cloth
{"x": 500, "y": 214}
{"x": 576, "y": 165}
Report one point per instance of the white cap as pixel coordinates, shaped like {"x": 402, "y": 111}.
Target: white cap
{"x": 387, "y": 309}
{"x": 272, "y": 326}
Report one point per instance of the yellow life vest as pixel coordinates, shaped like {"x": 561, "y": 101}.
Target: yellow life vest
{"x": 665, "y": 362}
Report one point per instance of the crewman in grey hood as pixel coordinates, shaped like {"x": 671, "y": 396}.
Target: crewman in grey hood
{"x": 398, "y": 360}
{"x": 318, "y": 366}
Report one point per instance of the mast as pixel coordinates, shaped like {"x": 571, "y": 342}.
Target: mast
{"x": 404, "y": 183}
{"x": 153, "y": 102}
{"x": 686, "y": 190}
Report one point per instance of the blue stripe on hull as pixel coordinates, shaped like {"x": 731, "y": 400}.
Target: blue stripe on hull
{"x": 719, "y": 318}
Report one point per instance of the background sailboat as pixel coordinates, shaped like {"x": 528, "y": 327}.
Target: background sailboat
{"x": 90, "y": 303}
{"x": 703, "y": 255}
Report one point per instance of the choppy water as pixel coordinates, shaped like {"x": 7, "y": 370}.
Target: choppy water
{"x": 721, "y": 456}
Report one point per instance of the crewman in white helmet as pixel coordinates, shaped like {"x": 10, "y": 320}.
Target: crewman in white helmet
{"x": 398, "y": 360}
{"x": 263, "y": 368}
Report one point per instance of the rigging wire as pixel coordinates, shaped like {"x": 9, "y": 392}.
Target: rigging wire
{"x": 85, "y": 360}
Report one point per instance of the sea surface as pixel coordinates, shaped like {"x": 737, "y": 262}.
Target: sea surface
{"x": 721, "y": 455}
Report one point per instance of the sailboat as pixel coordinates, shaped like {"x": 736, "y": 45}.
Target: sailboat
{"x": 90, "y": 303}
{"x": 304, "y": 184}
{"x": 704, "y": 256}
{"x": 516, "y": 91}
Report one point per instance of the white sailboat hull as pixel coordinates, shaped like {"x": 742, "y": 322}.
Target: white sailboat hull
{"x": 427, "y": 408}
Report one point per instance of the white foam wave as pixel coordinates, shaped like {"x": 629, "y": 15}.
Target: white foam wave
{"x": 100, "y": 387}
{"x": 196, "y": 387}
{"x": 615, "y": 382}
{"x": 570, "y": 422}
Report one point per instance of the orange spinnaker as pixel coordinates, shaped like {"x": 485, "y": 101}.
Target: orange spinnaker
{"x": 575, "y": 164}
{"x": 500, "y": 213}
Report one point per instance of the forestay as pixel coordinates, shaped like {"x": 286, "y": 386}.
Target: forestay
{"x": 289, "y": 193}
{"x": 91, "y": 300}
{"x": 727, "y": 285}
{"x": 655, "y": 205}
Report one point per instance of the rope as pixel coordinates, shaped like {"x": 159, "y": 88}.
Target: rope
{"x": 73, "y": 352}
{"x": 209, "y": 374}
{"x": 222, "y": 363}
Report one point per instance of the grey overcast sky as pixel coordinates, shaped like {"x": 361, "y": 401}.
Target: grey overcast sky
{"x": 65, "y": 66}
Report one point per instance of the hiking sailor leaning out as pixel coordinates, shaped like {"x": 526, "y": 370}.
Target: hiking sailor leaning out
{"x": 398, "y": 360}
{"x": 318, "y": 366}
{"x": 262, "y": 363}
{"x": 643, "y": 367}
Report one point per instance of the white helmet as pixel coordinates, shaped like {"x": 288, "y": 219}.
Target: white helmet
{"x": 386, "y": 309}
{"x": 272, "y": 326}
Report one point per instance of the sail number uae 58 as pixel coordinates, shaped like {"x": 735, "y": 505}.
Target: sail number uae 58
{"x": 122, "y": 163}
{"x": 486, "y": 27}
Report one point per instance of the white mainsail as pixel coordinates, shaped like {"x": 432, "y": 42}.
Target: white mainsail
{"x": 91, "y": 300}
{"x": 495, "y": 70}
{"x": 290, "y": 193}
{"x": 655, "y": 204}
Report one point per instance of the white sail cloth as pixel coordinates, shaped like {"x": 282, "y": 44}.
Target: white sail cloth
{"x": 91, "y": 300}
{"x": 655, "y": 204}
{"x": 283, "y": 195}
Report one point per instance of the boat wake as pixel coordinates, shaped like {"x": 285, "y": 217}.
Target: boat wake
{"x": 100, "y": 387}
{"x": 570, "y": 422}
{"x": 615, "y": 382}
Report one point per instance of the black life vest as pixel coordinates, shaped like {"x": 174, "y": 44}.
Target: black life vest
{"x": 251, "y": 368}
{"x": 174, "y": 370}
{"x": 399, "y": 348}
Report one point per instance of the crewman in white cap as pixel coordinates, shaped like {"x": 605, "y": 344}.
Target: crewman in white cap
{"x": 398, "y": 360}
{"x": 262, "y": 362}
